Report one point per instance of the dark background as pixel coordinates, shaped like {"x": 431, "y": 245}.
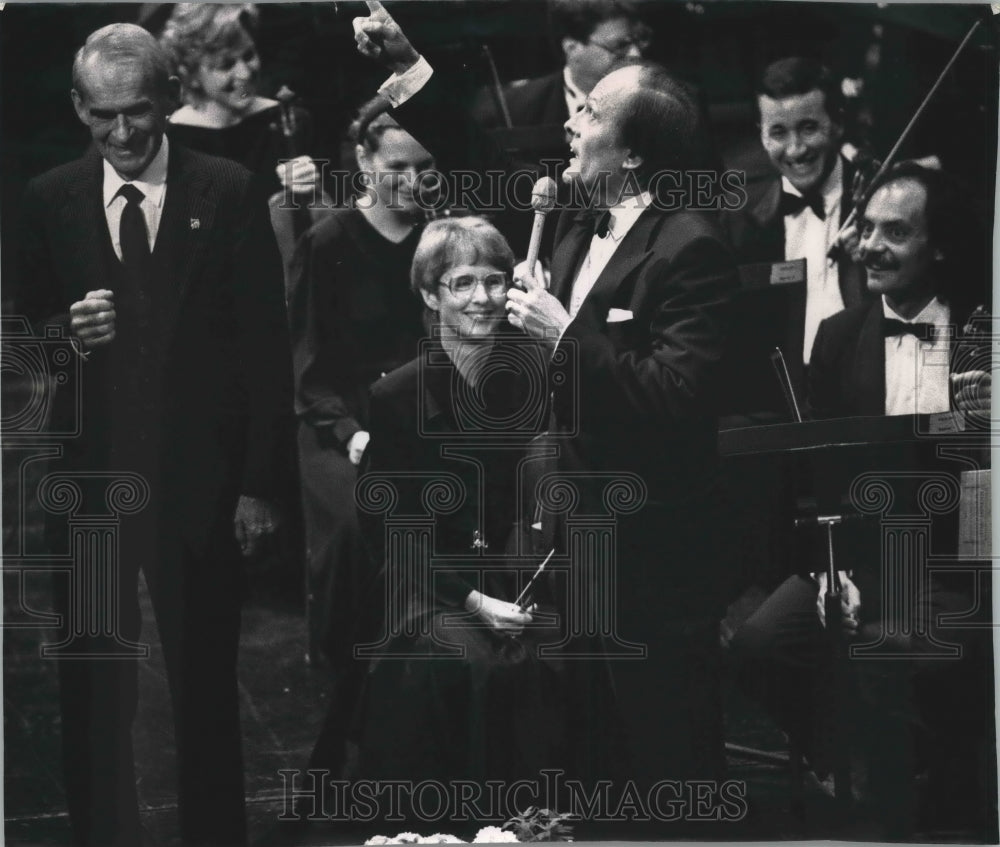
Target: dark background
{"x": 721, "y": 46}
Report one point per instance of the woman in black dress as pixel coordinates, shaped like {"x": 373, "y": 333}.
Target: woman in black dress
{"x": 215, "y": 56}
{"x": 353, "y": 319}
{"x": 456, "y": 688}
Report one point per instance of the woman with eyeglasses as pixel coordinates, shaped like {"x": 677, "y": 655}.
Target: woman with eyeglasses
{"x": 455, "y": 689}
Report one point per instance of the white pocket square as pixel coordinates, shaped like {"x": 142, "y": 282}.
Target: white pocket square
{"x": 616, "y": 316}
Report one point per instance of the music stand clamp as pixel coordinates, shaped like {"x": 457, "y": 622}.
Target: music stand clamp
{"x": 834, "y": 628}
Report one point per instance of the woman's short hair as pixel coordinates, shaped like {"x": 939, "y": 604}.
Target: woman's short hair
{"x": 198, "y": 31}
{"x": 450, "y": 242}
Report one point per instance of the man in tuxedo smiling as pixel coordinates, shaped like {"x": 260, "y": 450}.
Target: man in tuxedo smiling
{"x": 904, "y": 352}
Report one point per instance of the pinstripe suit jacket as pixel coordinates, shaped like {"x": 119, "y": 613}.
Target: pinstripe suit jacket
{"x": 223, "y": 361}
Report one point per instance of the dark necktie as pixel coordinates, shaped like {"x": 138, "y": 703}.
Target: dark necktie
{"x": 922, "y": 331}
{"x": 792, "y": 204}
{"x": 132, "y": 232}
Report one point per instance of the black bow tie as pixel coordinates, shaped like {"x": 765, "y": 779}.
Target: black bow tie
{"x": 602, "y": 224}
{"x": 922, "y": 331}
{"x": 792, "y": 204}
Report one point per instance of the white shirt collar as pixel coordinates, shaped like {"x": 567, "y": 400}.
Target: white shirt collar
{"x": 151, "y": 182}
{"x": 830, "y": 192}
{"x": 935, "y": 312}
{"x": 575, "y": 98}
{"x": 625, "y": 214}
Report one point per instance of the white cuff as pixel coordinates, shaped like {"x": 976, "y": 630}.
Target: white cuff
{"x": 399, "y": 88}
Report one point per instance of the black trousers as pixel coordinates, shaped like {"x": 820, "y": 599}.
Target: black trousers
{"x": 339, "y": 571}
{"x": 196, "y": 599}
{"x": 784, "y": 661}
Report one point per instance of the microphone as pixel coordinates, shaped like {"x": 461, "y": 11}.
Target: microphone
{"x": 543, "y": 201}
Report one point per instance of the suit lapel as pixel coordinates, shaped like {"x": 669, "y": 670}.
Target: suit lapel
{"x": 84, "y": 224}
{"x": 572, "y": 249}
{"x": 632, "y": 252}
{"x": 184, "y": 234}
{"x": 869, "y": 364}
{"x": 569, "y": 252}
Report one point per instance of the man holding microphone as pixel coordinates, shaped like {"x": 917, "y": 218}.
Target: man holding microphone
{"x": 639, "y": 305}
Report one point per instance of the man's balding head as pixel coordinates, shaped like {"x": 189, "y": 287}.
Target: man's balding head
{"x": 123, "y": 42}
{"x": 123, "y": 93}
{"x": 639, "y": 122}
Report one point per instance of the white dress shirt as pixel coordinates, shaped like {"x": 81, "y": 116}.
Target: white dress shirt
{"x": 809, "y": 238}
{"x": 152, "y": 182}
{"x": 623, "y": 218}
{"x": 916, "y": 371}
{"x": 399, "y": 88}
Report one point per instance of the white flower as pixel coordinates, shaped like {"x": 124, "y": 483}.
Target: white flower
{"x": 493, "y": 835}
{"x": 378, "y": 840}
{"x": 440, "y": 838}
{"x": 407, "y": 838}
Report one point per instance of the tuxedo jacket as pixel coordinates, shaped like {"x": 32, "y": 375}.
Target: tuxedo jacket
{"x": 635, "y": 375}
{"x": 645, "y": 386}
{"x": 847, "y": 367}
{"x": 222, "y": 366}
{"x": 644, "y": 350}
{"x": 773, "y": 316}
{"x": 758, "y": 231}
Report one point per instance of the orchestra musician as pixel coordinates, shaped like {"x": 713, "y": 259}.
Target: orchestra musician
{"x": 795, "y": 213}
{"x": 353, "y": 319}
{"x": 596, "y": 37}
{"x": 906, "y": 352}
{"x": 893, "y": 356}
{"x": 214, "y": 51}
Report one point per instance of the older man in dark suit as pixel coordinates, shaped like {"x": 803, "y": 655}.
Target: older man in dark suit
{"x": 639, "y": 302}
{"x": 164, "y": 268}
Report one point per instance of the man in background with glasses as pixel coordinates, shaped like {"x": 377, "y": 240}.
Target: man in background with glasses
{"x": 596, "y": 37}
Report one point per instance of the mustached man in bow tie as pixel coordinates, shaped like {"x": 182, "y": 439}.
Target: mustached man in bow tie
{"x": 162, "y": 266}
{"x": 910, "y": 351}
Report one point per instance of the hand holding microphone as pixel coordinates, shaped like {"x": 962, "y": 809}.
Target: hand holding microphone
{"x": 533, "y": 309}
{"x": 543, "y": 201}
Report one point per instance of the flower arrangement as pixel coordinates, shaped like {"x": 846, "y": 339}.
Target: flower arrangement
{"x": 536, "y": 824}
{"x": 533, "y": 824}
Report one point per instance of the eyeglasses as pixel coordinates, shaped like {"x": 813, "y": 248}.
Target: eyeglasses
{"x": 496, "y": 284}
{"x": 620, "y": 49}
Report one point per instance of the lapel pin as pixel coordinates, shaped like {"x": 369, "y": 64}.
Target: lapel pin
{"x": 195, "y": 223}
